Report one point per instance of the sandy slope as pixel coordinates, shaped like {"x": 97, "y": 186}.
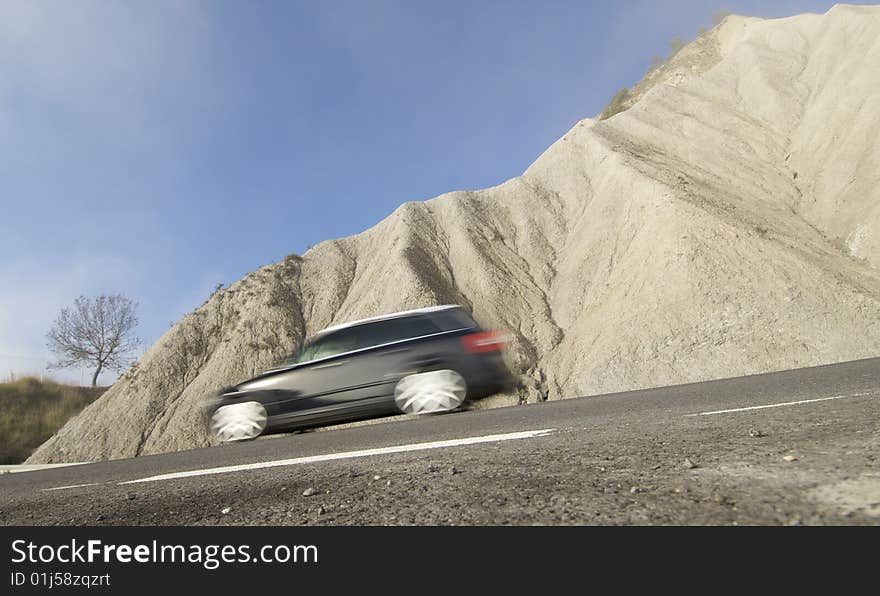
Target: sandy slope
{"x": 725, "y": 224}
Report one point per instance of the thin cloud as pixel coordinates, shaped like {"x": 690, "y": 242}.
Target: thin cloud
{"x": 86, "y": 70}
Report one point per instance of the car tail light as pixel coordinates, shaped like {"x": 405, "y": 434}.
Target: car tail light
{"x": 484, "y": 341}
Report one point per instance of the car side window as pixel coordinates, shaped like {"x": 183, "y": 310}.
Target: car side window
{"x": 453, "y": 319}
{"x": 368, "y": 335}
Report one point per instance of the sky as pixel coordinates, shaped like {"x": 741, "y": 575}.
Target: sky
{"x": 158, "y": 149}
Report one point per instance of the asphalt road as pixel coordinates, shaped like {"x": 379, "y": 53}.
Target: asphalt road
{"x": 793, "y": 447}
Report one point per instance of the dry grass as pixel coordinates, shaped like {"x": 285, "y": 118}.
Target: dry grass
{"x": 32, "y": 410}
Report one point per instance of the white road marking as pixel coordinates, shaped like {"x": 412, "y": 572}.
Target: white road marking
{"x": 788, "y": 403}
{"x": 348, "y": 455}
{"x": 71, "y": 486}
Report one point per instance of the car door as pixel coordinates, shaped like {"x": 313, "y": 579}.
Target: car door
{"x": 389, "y": 350}
{"x": 357, "y": 380}
{"x": 321, "y": 380}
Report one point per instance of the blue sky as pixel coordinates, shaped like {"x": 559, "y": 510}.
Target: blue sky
{"x": 158, "y": 148}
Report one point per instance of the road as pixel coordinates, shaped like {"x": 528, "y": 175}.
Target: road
{"x": 793, "y": 447}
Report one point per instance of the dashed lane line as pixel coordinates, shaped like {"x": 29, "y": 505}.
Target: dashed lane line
{"x": 71, "y": 486}
{"x": 780, "y": 405}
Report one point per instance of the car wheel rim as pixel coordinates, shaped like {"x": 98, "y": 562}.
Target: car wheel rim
{"x": 430, "y": 392}
{"x": 239, "y": 422}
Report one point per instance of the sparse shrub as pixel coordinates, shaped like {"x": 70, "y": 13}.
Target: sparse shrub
{"x": 656, "y": 62}
{"x": 616, "y": 105}
{"x": 675, "y": 46}
{"x": 719, "y": 16}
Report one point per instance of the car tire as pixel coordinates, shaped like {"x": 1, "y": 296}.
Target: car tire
{"x": 239, "y": 422}
{"x": 430, "y": 392}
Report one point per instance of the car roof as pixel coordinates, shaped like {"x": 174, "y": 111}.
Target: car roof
{"x": 395, "y": 315}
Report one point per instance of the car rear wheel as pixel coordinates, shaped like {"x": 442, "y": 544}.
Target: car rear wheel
{"x": 430, "y": 392}
{"x": 239, "y": 422}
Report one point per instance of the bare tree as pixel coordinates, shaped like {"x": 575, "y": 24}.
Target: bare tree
{"x": 95, "y": 331}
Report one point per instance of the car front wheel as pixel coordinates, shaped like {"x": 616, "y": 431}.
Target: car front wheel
{"x": 239, "y": 422}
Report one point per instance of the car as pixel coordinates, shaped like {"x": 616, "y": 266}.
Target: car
{"x": 422, "y": 361}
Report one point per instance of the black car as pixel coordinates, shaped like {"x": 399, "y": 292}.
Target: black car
{"x": 419, "y": 361}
